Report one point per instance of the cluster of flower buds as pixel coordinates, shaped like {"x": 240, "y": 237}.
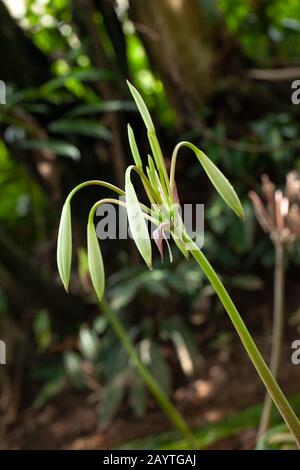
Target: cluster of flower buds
{"x": 279, "y": 216}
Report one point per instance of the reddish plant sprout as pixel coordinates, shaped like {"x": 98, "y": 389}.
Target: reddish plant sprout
{"x": 279, "y": 215}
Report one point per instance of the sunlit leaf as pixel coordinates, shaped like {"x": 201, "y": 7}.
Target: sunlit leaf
{"x": 159, "y": 236}
{"x": 111, "y": 398}
{"x": 151, "y": 167}
{"x": 217, "y": 178}
{"x": 59, "y": 147}
{"x": 72, "y": 363}
{"x": 79, "y": 75}
{"x": 88, "y": 343}
{"x": 221, "y": 183}
{"x": 83, "y": 264}
{"x": 152, "y": 357}
{"x": 142, "y": 107}
{"x": 137, "y": 223}
{"x": 134, "y": 149}
{"x": 95, "y": 260}
{"x": 64, "y": 245}
{"x": 178, "y": 332}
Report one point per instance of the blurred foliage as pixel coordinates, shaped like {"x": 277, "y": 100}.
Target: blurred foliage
{"x": 277, "y": 438}
{"x": 268, "y": 28}
{"x": 103, "y": 359}
{"x": 209, "y": 434}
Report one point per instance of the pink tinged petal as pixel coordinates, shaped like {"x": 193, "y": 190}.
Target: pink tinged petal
{"x": 158, "y": 238}
{"x": 293, "y": 185}
{"x": 159, "y": 235}
{"x": 285, "y": 207}
{"x": 175, "y": 194}
{"x": 278, "y": 210}
{"x": 169, "y": 248}
{"x": 269, "y": 190}
{"x": 261, "y": 213}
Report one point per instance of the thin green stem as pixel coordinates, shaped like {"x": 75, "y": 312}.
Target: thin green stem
{"x": 165, "y": 403}
{"x": 273, "y": 388}
{"x": 277, "y": 332}
{"x": 146, "y": 183}
{"x": 160, "y": 163}
{"x": 95, "y": 183}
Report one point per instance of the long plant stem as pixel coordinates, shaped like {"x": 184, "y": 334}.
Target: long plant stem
{"x": 273, "y": 388}
{"x": 165, "y": 403}
{"x": 277, "y": 332}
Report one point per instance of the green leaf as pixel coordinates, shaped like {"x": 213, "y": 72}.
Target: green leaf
{"x": 160, "y": 368}
{"x": 112, "y": 396}
{"x": 141, "y": 107}
{"x": 175, "y": 329}
{"x": 59, "y": 147}
{"x": 14, "y": 98}
{"x": 277, "y": 438}
{"x": 42, "y": 329}
{"x": 72, "y": 364}
{"x": 152, "y": 170}
{"x": 133, "y": 147}
{"x": 152, "y": 357}
{"x": 79, "y": 75}
{"x": 137, "y": 223}
{"x": 221, "y": 183}
{"x": 217, "y": 178}
{"x": 123, "y": 293}
{"x": 83, "y": 264}
{"x": 95, "y": 261}
{"x": 157, "y": 154}
{"x": 88, "y": 343}
{"x": 81, "y": 127}
{"x": 64, "y": 245}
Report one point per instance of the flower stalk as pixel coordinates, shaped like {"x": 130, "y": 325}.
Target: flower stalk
{"x": 279, "y": 217}
{"x": 264, "y": 372}
{"x": 277, "y": 332}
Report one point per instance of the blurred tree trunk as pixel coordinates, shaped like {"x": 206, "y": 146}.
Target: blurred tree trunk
{"x": 188, "y": 46}
{"x": 201, "y": 63}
